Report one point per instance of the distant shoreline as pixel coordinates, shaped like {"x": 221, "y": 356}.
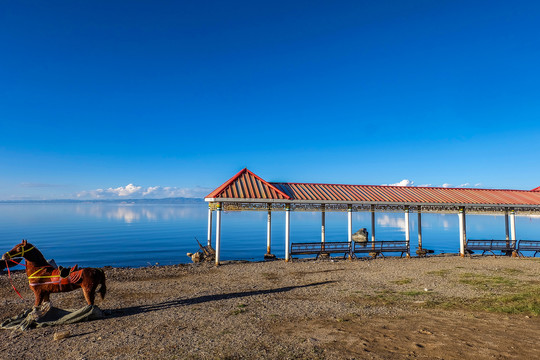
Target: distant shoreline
{"x": 179, "y": 200}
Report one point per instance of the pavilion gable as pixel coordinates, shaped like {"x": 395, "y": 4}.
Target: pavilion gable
{"x": 246, "y": 185}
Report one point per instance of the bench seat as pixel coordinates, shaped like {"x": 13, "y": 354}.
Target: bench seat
{"x": 506, "y": 246}
{"x": 380, "y": 247}
{"x": 528, "y": 245}
{"x": 318, "y": 248}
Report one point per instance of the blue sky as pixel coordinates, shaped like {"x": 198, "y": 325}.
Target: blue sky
{"x": 175, "y": 97}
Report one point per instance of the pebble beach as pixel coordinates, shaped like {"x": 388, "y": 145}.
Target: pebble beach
{"x": 437, "y": 307}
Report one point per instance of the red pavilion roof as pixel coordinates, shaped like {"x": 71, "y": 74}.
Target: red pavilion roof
{"x": 246, "y": 186}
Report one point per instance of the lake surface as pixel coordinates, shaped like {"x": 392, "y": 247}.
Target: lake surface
{"x": 99, "y": 234}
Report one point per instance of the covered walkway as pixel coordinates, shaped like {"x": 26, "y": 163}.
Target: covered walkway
{"x": 247, "y": 191}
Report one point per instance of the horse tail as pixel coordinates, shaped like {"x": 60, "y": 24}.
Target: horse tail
{"x": 103, "y": 289}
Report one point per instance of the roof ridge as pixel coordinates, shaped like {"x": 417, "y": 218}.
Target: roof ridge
{"x": 413, "y": 187}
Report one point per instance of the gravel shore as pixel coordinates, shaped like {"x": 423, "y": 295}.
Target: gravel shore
{"x": 365, "y": 309}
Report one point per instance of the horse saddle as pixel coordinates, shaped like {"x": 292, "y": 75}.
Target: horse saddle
{"x": 66, "y": 272}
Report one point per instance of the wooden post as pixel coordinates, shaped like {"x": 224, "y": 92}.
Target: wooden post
{"x": 209, "y": 237}
{"x": 407, "y": 231}
{"x": 349, "y": 223}
{"x": 269, "y": 230}
{"x": 218, "y": 232}
{"x": 287, "y": 232}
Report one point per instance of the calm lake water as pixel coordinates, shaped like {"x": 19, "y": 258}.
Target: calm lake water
{"x": 99, "y": 234}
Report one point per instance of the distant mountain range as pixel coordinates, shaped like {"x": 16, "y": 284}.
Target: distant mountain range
{"x": 176, "y": 200}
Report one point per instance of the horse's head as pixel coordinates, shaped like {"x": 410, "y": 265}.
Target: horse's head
{"x": 20, "y": 250}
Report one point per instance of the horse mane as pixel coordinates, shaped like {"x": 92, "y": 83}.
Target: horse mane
{"x": 35, "y": 256}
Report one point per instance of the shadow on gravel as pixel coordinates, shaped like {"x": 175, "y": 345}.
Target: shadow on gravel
{"x": 127, "y": 311}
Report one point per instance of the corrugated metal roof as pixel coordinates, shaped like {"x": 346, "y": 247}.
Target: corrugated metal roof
{"x": 246, "y": 185}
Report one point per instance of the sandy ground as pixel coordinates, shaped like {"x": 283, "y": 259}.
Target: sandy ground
{"x": 329, "y": 309}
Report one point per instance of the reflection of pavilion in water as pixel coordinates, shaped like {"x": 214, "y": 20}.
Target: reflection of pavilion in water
{"x": 131, "y": 213}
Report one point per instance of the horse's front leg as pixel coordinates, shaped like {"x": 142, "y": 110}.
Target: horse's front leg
{"x": 46, "y": 304}
{"x": 37, "y": 310}
{"x": 39, "y": 296}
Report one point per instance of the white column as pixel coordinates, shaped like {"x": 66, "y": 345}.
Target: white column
{"x": 513, "y": 227}
{"x": 461, "y": 217}
{"x": 419, "y": 228}
{"x": 209, "y": 237}
{"x": 349, "y": 223}
{"x": 269, "y": 230}
{"x": 407, "y": 229}
{"x": 506, "y": 225}
{"x": 464, "y": 225}
{"x": 372, "y": 222}
{"x": 323, "y": 224}
{"x": 287, "y": 232}
{"x": 218, "y": 232}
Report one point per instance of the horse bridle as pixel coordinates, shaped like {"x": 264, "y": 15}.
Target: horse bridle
{"x": 20, "y": 253}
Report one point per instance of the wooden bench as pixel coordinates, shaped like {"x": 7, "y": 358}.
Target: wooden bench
{"x": 528, "y": 245}
{"x": 505, "y": 246}
{"x": 377, "y": 247}
{"x": 319, "y": 248}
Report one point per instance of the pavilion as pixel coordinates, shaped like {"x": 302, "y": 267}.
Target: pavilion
{"x": 247, "y": 191}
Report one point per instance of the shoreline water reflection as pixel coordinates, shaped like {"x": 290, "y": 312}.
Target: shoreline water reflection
{"x": 99, "y": 234}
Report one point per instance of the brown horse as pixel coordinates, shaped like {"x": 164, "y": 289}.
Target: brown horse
{"x": 44, "y": 279}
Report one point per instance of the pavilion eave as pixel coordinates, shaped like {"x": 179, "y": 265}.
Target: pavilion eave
{"x": 236, "y": 204}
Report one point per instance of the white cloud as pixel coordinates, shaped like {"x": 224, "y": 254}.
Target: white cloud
{"x": 404, "y": 182}
{"x": 131, "y": 191}
{"x": 127, "y": 190}
{"x": 407, "y": 182}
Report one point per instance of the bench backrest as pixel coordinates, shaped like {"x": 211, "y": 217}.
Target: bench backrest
{"x": 381, "y": 245}
{"x": 489, "y": 244}
{"x": 317, "y": 247}
{"x": 524, "y": 245}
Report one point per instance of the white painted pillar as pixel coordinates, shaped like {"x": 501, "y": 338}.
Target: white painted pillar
{"x": 209, "y": 237}
{"x": 513, "y": 227}
{"x": 465, "y": 224}
{"x": 461, "y": 217}
{"x": 372, "y": 226}
{"x": 372, "y": 222}
{"x": 419, "y": 228}
{"x": 287, "y": 232}
{"x": 269, "y": 230}
{"x": 323, "y": 224}
{"x": 407, "y": 229}
{"x": 506, "y": 225}
{"x": 349, "y": 223}
{"x": 218, "y": 232}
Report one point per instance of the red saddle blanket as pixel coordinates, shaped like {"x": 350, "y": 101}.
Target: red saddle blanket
{"x": 73, "y": 277}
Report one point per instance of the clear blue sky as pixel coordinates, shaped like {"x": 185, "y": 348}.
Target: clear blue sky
{"x": 184, "y": 94}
